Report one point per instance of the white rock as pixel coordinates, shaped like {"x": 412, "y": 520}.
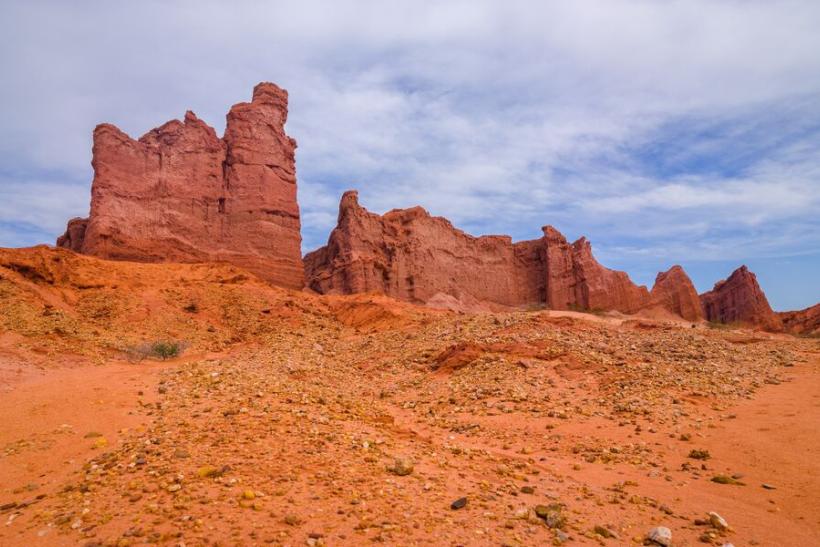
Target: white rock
{"x": 717, "y": 521}
{"x": 660, "y": 535}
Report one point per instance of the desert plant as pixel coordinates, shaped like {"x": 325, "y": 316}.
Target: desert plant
{"x": 159, "y": 349}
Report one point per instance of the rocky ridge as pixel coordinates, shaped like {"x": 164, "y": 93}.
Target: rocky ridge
{"x": 411, "y": 255}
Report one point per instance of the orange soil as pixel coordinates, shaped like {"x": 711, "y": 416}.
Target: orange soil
{"x": 283, "y": 419}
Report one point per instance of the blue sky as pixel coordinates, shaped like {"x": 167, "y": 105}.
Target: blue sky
{"x": 667, "y": 132}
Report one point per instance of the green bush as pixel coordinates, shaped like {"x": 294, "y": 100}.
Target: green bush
{"x": 166, "y": 349}
{"x": 160, "y": 349}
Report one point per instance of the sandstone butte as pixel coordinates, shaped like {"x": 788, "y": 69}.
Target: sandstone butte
{"x": 181, "y": 194}
{"x": 739, "y": 299}
{"x": 410, "y": 255}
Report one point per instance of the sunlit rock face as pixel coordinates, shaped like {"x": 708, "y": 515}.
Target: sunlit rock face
{"x": 182, "y": 194}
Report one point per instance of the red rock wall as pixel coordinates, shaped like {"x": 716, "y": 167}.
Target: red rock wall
{"x": 739, "y": 299}
{"x": 805, "y": 321}
{"x": 181, "y": 194}
{"x": 411, "y": 255}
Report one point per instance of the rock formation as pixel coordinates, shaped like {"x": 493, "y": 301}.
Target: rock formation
{"x": 181, "y": 194}
{"x": 575, "y": 280}
{"x": 411, "y": 255}
{"x": 805, "y": 321}
{"x": 674, "y": 291}
{"x": 739, "y": 299}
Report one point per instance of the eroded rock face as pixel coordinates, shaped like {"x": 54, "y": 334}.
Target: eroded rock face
{"x": 575, "y": 280}
{"x": 411, "y": 255}
{"x": 805, "y": 321}
{"x": 739, "y": 299}
{"x": 74, "y": 234}
{"x": 182, "y": 194}
{"x": 674, "y": 291}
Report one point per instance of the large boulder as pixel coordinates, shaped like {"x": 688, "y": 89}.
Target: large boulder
{"x": 182, "y": 194}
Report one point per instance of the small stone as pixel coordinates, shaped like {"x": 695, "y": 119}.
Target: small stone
{"x": 551, "y": 514}
{"x": 458, "y": 504}
{"x": 768, "y": 486}
{"x": 527, "y": 490}
{"x": 401, "y": 467}
{"x": 174, "y": 488}
{"x": 208, "y": 472}
{"x": 248, "y": 495}
{"x": 93, "y": 435}
{"x": 292, "y": 520}
{"x": 605, "y": 532}
{"x": 660, "y": 535}
{"x": 717, "y": 521}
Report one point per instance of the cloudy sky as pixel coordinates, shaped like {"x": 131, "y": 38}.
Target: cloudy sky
{"x": 666, "y": 131}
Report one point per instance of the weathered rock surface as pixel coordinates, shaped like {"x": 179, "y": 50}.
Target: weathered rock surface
{"x": 182, "y": 194}
{"x": 674, "y": 291}
{"x": 576, "y": 280}
{"x": 739, "y": 299}
{"x": 74, "y": 234}
{"x": 411, "y": 255}
{"x": 805, "y": 321}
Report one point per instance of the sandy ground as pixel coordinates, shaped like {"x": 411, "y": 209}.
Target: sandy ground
{"x": 293, "y": 419}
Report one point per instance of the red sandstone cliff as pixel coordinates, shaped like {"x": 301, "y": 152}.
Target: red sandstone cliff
{"x": 575, "y": 280}
{"x": 674, "y": 291}
{"x": 181, "y": 194}
{"x": 411, "y": 255}
{"x": 805, "y": 321}
{"x": 739, "y": 299}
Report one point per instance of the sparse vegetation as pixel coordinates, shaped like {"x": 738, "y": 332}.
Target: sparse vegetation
{"x": 193, "y": 307}
{"x": 159, "y": 349}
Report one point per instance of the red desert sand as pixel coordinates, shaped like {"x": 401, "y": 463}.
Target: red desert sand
{"x": 196, "y": 404}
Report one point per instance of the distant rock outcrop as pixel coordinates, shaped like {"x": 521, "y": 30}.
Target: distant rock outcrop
{"x": 674, "y": 291}
{"x": 411, "y": 255}
{"x": 805, "y": 321}
{"x": 739, "y": 299}
{"x": 182, "y": 194}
